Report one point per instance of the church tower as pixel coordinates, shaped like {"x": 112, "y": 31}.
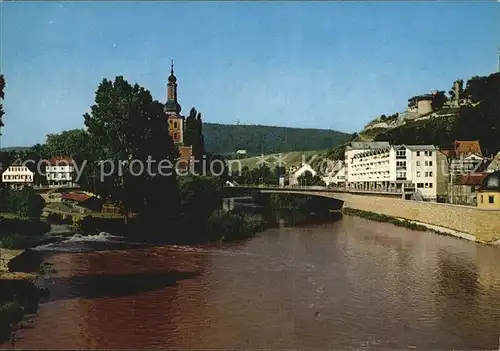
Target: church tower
{"x": 172, "y": 110}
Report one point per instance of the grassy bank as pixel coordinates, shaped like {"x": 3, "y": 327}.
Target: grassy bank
{"x": 18, "y": 293}
{"x": 17, "y": 232}
{"x": 383, "y": 218}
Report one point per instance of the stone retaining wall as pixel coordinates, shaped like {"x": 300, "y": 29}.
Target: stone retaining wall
{"x": 483, "y": 224}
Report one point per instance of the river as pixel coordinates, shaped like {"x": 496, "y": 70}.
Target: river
{"x": 344, "y": 284}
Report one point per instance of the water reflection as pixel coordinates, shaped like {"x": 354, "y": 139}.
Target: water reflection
{"x": 344, "y": 284}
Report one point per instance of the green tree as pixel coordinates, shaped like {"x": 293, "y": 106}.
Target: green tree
{"x": 438, "y": 100}
{"x": 193, "y": 136}
{"x": 244, "y": 177}
{"x": 70, "y": 143}
{"x": 200, "y": 197}
{"x": 216, "y": 166}
{"x": 26, "y": 202}
{"x": 34, "y": 158}
{"x": 125, "y": 124}
{"x": 308, "y": 179}
{"x": 2, "y": 96}
{"x": 261, "y": 175}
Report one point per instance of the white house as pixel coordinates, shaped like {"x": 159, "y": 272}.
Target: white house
{"x": 335, "y": 175}
{"x": 18, "y": 176}
{"x": 296, "y": 173}
{"x": 398, "y": 168}
{"x": 241, "y": 152}
{"x": 495, "y": 164}
{"x": 60, "y": 171}
{"x": 466, "y": 164}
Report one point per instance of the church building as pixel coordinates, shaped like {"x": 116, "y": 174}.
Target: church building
{"x": 176, "y": 120}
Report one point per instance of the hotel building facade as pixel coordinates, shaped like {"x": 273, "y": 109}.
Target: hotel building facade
{"x": 380, "y": 167}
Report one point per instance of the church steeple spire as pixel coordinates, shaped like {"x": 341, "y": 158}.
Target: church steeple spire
{"x": 172, "y": 106}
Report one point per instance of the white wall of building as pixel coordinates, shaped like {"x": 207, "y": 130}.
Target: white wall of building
{"x": 18, "y": 176}
{"x": 60, "y": 174}
{"x": 336, "y": 176}
{"x": 296, "y": 174}
{"x": 389, "y": 168}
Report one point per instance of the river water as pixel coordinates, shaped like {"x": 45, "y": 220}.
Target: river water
{"x": 345, "y": 284}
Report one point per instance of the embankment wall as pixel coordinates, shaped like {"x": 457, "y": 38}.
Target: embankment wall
{"x": 483, "y": 224}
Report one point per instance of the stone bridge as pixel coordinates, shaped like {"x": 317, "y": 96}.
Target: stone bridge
{"x": 337, "y": 194}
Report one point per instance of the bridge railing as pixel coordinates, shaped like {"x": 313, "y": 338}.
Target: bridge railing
{"x": 321, "y": 188}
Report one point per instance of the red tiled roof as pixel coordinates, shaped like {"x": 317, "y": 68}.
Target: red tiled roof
{"x": 472, "y": 179}
{"x": 460, "y": 148}
{"x": 61, "y": 161}
{"x": 75, "y": 196}
{"x": 467, "y": 147}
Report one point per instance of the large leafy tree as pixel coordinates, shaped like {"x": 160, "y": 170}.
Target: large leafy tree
{"x": 127, "y": 126}
{"x": 67, "y": 143}
{"x": 35, "y": 158}
{"x": 2, "y": 95}
{"x": 438, "y": 100}
{"x": 200, "y": 197}
{"x": 3, "y": 157}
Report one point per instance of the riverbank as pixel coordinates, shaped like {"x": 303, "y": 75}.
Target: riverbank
{"x": 401, "y": 222}
{"x": 18, "y": 293}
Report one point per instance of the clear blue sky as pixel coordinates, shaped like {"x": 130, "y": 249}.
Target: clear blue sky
{"x": 318, "y": 64}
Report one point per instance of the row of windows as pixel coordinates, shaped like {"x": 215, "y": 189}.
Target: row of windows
{"x": 427, "y": 174}
{"x": 427, "y": 163}
{"x": 424, "y": 185}
{"x": 17, "y": 169}
{"x": 176, "y": 125}
{"x": 58, "y": 176}
{"x": 59, "y": 168}
{"x": 401, "y": 163}
{"x": 17, "y": 177}
{"x": 426, "y": 153}
{"x": 491, "y": 199}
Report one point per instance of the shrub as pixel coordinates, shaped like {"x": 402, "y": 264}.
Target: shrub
{"x": 10, "y": 313}
{"x": 227, "y": 226}
{"x": 15, "y": 241}
{"x": 26, "y": 202}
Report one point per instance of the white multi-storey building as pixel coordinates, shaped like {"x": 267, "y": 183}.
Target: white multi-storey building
{"x": 357, "y": 147}
{"x": 397, "y": 168}
{"x": 18, "y": 176}
{"x": 60, "y": 171}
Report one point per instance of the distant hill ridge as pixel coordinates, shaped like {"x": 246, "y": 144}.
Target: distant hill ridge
{"x": 14, "y": 148}
{"x": 256, "y": 139}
